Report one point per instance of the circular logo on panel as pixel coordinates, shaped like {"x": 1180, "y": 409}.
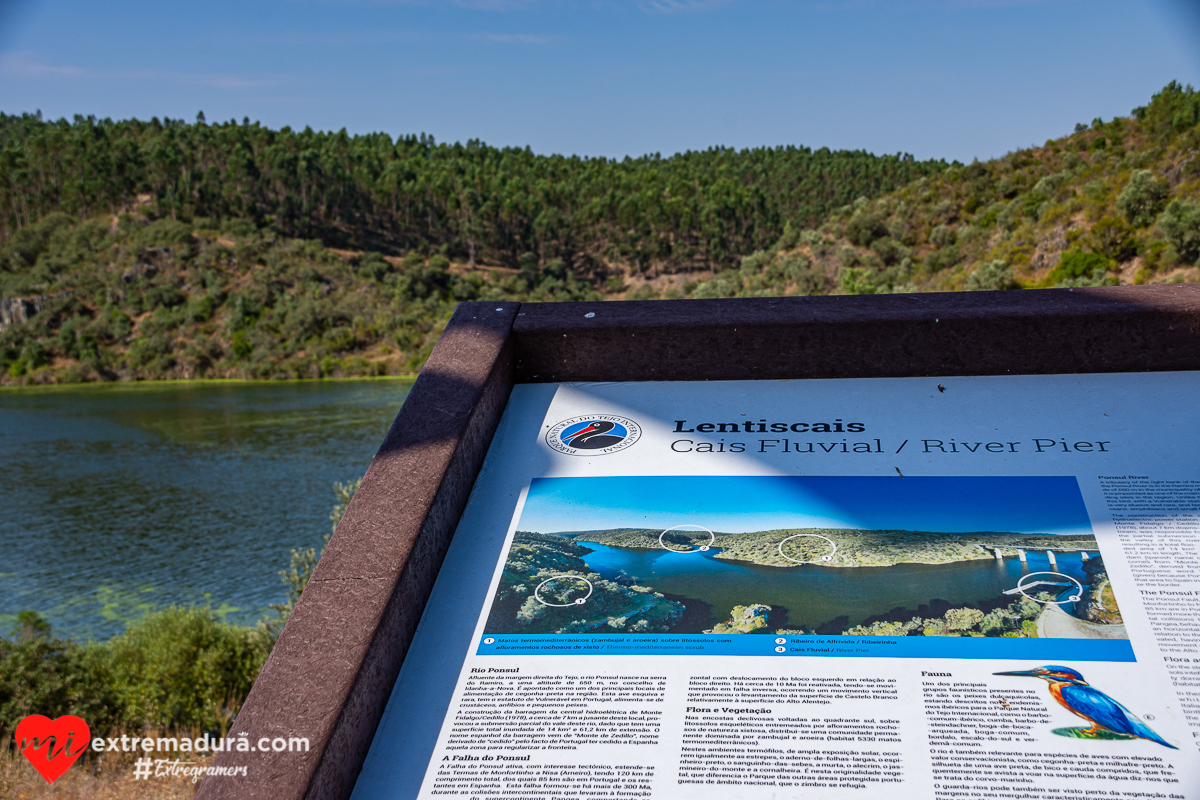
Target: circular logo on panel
{"x": 595, "y": 435}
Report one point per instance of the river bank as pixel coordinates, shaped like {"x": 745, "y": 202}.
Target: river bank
{"x": 150, "y": 383}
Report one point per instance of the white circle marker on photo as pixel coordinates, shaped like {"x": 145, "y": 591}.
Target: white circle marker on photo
{"x": 712, "y": 539}
{"x": 828, "y": 557}
{"x": 577, "y": 602}
{"x": 1021, "y": 587}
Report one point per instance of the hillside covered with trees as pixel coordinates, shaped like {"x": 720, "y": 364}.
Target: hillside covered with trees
{"x": 469, "y": 202}
{"x": 853, "y": 547}
{"x": 141, "y": 250}
{"x": 1113, "y": 203}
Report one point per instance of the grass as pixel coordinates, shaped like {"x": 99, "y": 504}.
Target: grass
{"x": 106, "y": 777}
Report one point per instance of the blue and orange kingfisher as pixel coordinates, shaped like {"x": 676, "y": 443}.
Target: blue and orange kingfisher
{"x": 1074, "y": 694}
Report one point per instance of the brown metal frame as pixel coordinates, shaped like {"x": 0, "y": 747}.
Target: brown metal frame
{"x": 332, "y": 670}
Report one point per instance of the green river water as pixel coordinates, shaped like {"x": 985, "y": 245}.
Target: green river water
{"x": 121, "y": 498}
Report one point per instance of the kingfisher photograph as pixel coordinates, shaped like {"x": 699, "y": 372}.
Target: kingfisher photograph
{"x": 1011, "y": 557}
{"x": 1106, "y": 718}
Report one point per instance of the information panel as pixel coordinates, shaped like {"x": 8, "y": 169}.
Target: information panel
{"x": 938, "y": 588}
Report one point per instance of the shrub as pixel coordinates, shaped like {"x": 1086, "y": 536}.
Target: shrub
{"x": 420, "y": 280}
{"x": 201, "y": 308}
{"x": 1113, "y": 239}
{"x": 175, "y": 669}
{"x": 941, "y": 236}
{"x": 727, "y": 284}
{"x": 889, "y": 250}
{"x": 373, "y": 266}
{"x": 963, "y": 619}
{"x": 1051, "y": 184}
{"x": 991, "y": 276}
{"x": 112, "y": 323}
{"x": 1099, "y": 277}
{"x": 240, "y": 345}
{"x": 790, "y": 268}
{"x": 1180, "y": 223}
{"x": 339, "y": 339}
{"x": 941, "y": 259}
{"x": 1075, "y": 264}
{"x": 866, "y": 226}
{"x": 994, "y": 624}
{"x": 946, "y": 211}
{"x": 167, "y": 295}
{"x": 755, "y": 263}
{"x": 24, "y": 245}
{"x": 51, "y": 676}
{"x": 182, "y": 668}
{"x": 163, "y": 233}
{"x": 1011, "y": 215}
{"x": 934, "y": 627}
{"x": 858, "y": 281}
{"x": 1142, "y": 198}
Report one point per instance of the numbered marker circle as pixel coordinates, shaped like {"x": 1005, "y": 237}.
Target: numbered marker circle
{"x": 578, "y": 602}
{"x": 489, "y": 640}
{"x": 712, "y": 539}
{"x": 781, "y": 640}
{"x": 780, "y": 649}
{"x": 1022, "y": 586}
{"x": 828, "y": 557}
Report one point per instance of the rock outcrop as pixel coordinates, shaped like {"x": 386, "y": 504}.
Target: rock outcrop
{"x": 20, "y": 309}
{"x": 15, "y": 310}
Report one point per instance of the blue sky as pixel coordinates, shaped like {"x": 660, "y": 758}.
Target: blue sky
{"x": 937, "y": 78}
{"x": 740, "y": 504}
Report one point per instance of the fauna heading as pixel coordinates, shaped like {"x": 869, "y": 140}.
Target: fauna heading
{"x": 763, "y": 426}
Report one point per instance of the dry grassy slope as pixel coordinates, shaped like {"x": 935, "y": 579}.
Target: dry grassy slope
{"x": 107, "y": 777}
{"x": 1025, "y": 210}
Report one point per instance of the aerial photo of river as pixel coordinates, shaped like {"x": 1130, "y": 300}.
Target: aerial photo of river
{"x": 812, "y": 596}
{"x": 123, "y": 498}
{"x": 880, "y": 555}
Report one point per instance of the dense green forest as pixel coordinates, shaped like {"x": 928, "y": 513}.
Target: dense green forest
{"x": 139, "y": 250}
{"x": 470, "y": 201}
{"x": 852, "y": 547}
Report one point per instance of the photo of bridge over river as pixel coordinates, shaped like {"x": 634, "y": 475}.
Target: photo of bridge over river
{"x": 932, "y": 556}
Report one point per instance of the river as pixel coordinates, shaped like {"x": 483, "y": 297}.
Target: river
{"x": 810, "y": 596}
{"x": 122, "y": 498}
